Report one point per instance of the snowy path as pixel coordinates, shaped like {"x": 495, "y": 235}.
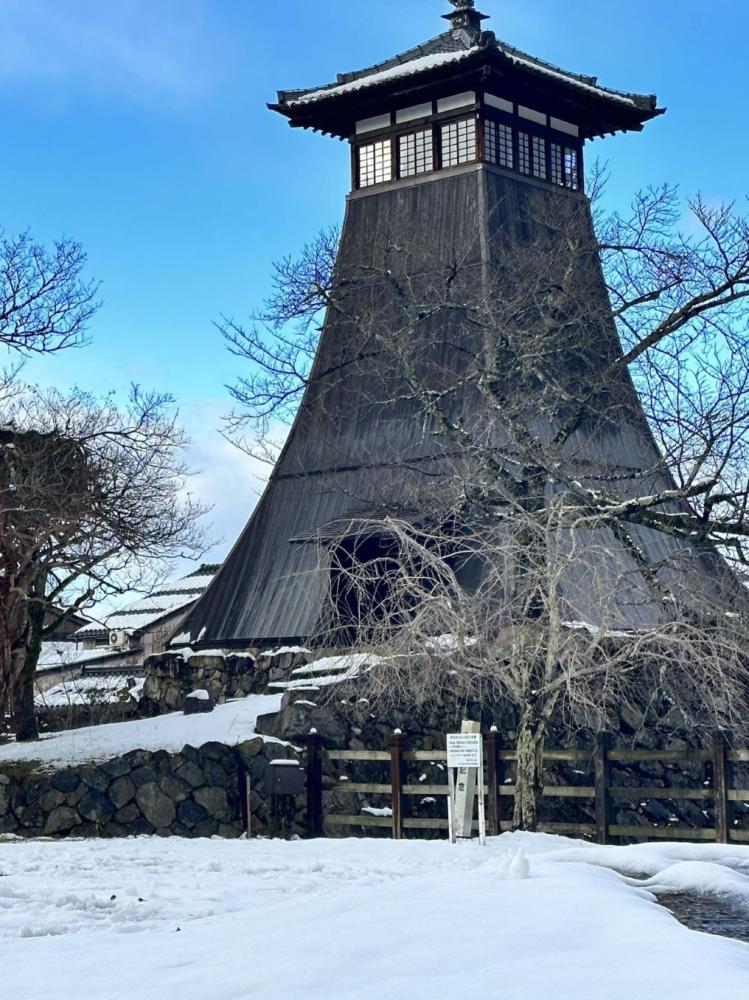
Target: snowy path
{"x": 355, "y": 920}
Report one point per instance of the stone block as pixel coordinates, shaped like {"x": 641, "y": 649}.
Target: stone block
{"x": 61, "y": 820}
{"x": 229, "y": 832}
{"x": 36, "y": 789}
{"x": 65, "y": 781}
{"x": 140, "y": 828}
{"x": 208, "y": 828}
{"x": 127, "y": 815}
{"x": 73, "y": 798}
{"x": 143, "y": 776}
{"x": 191, "y": 773}
{"x": 4, "y": 799}
{"x": 190, "y": 814}
{"x": 198, "y": 703}
{"x": 251, "y": 748}
{"x": 174, "y": 788}
{"x": 157, "y": 807}
{"x": 51, "y": 800}
{"x": 137, "y": 758}
{"x": 122, "y": 791}
{"x": 95, "y": 807}
{"x": 94, "y": 777}
{"x": 217, "y": 777}
{"x": 117, "y": 768}
{"x": 113, "y": 830}
{"x": 215, "y": 802}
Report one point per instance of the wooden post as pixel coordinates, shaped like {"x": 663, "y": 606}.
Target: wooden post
{"x": 245, "y": 801}
{"x": 313, "y": 744}
{"x": 493, "y": 775}
{"x": 722, "y": 780}
{"x": 602, "y": 768}
{"x": 397, "y": 748}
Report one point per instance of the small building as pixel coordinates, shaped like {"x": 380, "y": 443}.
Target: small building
{"x": 59, "y": 649}
{"x": 125, "y": 639}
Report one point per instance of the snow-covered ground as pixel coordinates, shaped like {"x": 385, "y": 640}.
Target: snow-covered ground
{"x": 231, "y": 723}
{"x": 90, "y": 691}
{"x": 360, "y": 920}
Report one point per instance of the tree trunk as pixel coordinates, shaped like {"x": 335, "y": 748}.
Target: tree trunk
{"x": 24, "y": 710}
{"x": 529, "y": 782}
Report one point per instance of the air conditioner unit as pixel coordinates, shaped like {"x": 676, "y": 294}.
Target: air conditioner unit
{"x": 118, "y": 638}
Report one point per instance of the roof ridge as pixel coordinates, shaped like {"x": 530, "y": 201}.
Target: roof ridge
{"x": 428, "y": 48}
{"x": 446, "y": 41}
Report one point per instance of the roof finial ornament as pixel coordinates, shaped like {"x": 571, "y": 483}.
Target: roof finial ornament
{"x": 465, "y": 16}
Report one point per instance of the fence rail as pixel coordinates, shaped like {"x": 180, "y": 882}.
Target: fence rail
{"x": 602, "y": 760}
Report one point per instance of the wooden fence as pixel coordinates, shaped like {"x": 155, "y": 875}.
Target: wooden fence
{"x": 602, "y": 761}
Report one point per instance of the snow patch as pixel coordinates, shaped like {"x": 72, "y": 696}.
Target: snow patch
{"x": 153, "y": 918}
{"x": 231, "y": 723}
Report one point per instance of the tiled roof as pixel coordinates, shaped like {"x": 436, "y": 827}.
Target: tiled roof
{"x": 441, "y": 50}
{"x": 146, "y": 611}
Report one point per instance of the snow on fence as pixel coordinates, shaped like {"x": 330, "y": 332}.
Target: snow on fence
{"x": 603, "y": 795}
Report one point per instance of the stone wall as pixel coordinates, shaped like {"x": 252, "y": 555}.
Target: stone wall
{"x": 170, "y": 677}
{"x": 198, "y": 792}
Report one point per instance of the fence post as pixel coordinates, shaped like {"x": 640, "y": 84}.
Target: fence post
{"x": 398, "y": 744}
{"x": 313, "y": 745}
{"x": 493, "y": 767}
{"x": 722, "y": 781}
{"x": 602, "y": 768}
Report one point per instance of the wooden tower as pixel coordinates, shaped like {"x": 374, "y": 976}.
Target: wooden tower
{"x": 454, "y": 143}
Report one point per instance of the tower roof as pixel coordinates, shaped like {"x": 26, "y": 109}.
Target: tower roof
{"x": 465, "y": 56}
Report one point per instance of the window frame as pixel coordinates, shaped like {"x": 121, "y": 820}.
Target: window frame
{"x": 483, "y": 116}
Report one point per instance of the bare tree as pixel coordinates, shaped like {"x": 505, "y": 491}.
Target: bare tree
{"x": 572, "y": 540}
{"x": 45, "y": 303}
{"x": 512, "y": 639}
{"x": 280, "y": 345}
{"x": 91, "y": 496}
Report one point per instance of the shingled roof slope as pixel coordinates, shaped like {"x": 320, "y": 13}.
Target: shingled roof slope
{"x": 145, "y": 612}
{"x": 453, "y": 46}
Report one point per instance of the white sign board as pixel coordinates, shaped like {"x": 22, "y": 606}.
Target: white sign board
{"x": 464, "y": 749}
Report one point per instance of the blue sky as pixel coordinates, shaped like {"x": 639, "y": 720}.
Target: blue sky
{"x": 139, "y": 127}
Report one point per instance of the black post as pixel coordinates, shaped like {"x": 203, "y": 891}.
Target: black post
{"x": 602, "y": 768}
{"x": 493, "y": 775}
{"x": 313, "y": 745}
{"x": 398, "y": 743}
{"x": 722, "y": 780}
{"x": 243, "y": 785}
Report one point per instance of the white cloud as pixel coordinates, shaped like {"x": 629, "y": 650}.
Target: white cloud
{"x": 153, "y": 51}
{"x": 227, "y": 479}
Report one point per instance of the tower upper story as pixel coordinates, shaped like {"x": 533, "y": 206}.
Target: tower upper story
{"x": 465, "y": 97}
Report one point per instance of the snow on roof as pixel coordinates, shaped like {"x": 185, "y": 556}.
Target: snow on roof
{"x": 332, "y": 664}
{"x": 410, "y": 68}
{"x": 422, "y": 64}
{"x": 63, "y": 655}
{"x": 145, "y": 611}
{"x": 561, "y": 74}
